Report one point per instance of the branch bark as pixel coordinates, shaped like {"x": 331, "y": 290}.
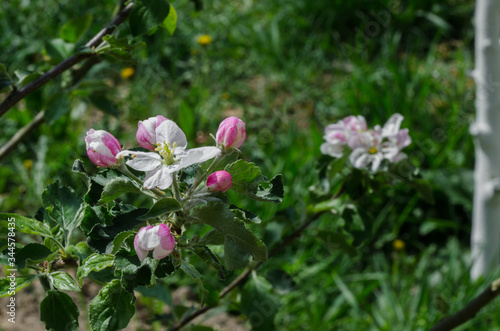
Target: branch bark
{"x": 485, "y": 238}
{"x": 471, "y": 310}
{"x": 15, "y": 96}
{"x": 21, "y": 134}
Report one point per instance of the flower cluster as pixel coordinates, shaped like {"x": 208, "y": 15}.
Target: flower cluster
{"x": 168, "y": 154}
{"x": 369, "y": 147}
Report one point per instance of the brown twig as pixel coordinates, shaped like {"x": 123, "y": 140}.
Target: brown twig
{"x": 17, "y": 95}
{"x": 470, "y": 311}
{"x": 243, "y": 276}
{"x": 21, "y": 134}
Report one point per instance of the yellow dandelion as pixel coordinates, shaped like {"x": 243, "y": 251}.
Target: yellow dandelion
{"x": 204, "y": 40}
{"x": 398, "y": 245}
{"x": 28, "y": 164}
{"x": 127, "y": 72}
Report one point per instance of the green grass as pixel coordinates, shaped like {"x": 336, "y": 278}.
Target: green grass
{"x": 282, "y": 67}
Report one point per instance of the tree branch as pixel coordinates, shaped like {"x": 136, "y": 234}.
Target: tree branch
{"x": 243, "y": 276}
{"x": 471, "y": 310}
{"x": 15, "y": 96}
{"x": 21, "y": 134}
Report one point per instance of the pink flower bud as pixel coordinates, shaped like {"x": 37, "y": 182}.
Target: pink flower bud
{"x": 219, "y": 181}
{"x": 146, "y": 132}
{"x": 231, "y": 133}
{"x": 154, "y": 238}
{"x": 102, "y": 148}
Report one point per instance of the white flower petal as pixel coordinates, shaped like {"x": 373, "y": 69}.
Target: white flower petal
{"x": 359, "y": 158}
{"x": 169, "y": 132}
{"x": 160, "y": 177}
{"x": 141, "y": 161}
{"x": 391, "y": 127}
{"x": 334, "y": 150}
{"x": 198, "y": 155}
{"x": 159, "y": 252}
{"x": 376, "y": 161}
{"x": 148, "y": 238}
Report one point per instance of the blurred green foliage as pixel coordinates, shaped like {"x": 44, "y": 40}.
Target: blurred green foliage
{"x": 287, "y": 68}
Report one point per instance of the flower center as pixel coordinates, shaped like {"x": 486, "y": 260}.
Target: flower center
{"x": 373, "y": 150}
{"x": 166, "y": 150}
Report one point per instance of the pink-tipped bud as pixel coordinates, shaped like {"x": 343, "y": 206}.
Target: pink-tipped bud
{"x": 146, "y": 132}
{"x": 231, "y": 133}
{"x": 102, "y": 148}
{"x": 154, "y": 238}
{"x": 219, "y": 181}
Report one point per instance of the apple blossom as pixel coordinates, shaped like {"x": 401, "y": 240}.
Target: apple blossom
{"x": 146, "y": 132}
{"x": 369, "y": 148}
{"x": 219, "y": 181}
{"x": 154, "y": 238}
{"x": 337, "y": 135}
{"x": 231, "y": 133}
{"x": 171, "y": 156}
{"x": 102, "y": 148}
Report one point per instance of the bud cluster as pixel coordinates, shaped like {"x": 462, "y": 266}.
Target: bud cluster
{"x": 167, "y": 154}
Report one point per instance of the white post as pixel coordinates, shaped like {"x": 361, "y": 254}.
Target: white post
{"x": 485, "y": 239}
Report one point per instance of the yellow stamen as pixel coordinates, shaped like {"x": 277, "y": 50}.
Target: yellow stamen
{"x": 373, "y": 150}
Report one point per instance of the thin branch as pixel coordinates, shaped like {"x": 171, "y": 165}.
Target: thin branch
{"x": 243, "y": 276}
{"x": 15, "y": 96}
{"x": 21, "y": 134}
{"x": 471, "y": 310}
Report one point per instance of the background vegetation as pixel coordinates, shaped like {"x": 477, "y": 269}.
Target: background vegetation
{"x": 287, "y": 68}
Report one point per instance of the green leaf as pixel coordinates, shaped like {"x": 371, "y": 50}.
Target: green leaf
{"x": 248, "y": 180}
{"x": 94, "y": 262}
{"x": 64, "y": 205}
{"x": 28, "y": 225}
{"x": 112, "y": 308}
{"x": 246, "y": 176}
{"x": 101, "y": 237}
{"x": 245, "y": 215}
{"x": 78, "y": 168}
{"x": 74, "y": 29}
{"x": 59, "y": 312}
{"x": 115, "y": 188}
{"x": 165, "y": 267}
{"x": 5, "y": 81}
{"x": 197, "y": 277}
{"x": 240, "y": 243}
{"x": 19, "y": 283}
{"x": 25, "y": 77}
{"x": 134, "y": 272}
{"x": 212, "y": 237}
{"x": 272, "y": 191}
{"x": 59, "y": 50}
{"x": 146, "y": 15}
{"x": 159, "y": 292}
{"x": 206, "y": 255}
{"x": 120, "y": 239}
{"x": 119, "y": 48}
{"x": 259, "y": 303}
{"x": 170, "y": 23}
{"x": 162, "y": 207}
{"x": 32, "y": 252}
{"x": 63, "y": 281}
